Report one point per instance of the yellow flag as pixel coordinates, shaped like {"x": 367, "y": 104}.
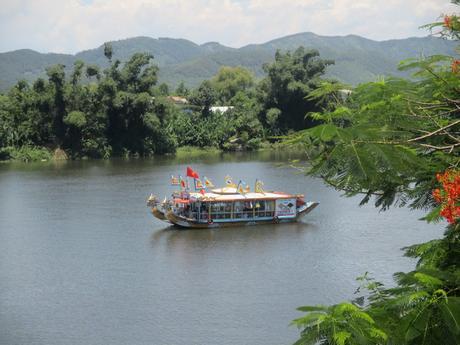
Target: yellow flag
{"x": 208, "y": 183}
{"x": 259, "y": 187}
{"x": 198, "y": 184}
{"x": 174, "y": 181}
{"x": 229, "y": 182}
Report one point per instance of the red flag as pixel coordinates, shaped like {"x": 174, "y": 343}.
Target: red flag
{"x": 191, "y": 173}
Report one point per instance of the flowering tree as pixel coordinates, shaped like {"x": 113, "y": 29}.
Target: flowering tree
{"x": 396, "y": 142}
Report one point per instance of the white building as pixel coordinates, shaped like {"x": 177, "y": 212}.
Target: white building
{"x": 222, "y": 109}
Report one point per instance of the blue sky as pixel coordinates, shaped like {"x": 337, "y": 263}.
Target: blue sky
{"x": 69, "y": 26}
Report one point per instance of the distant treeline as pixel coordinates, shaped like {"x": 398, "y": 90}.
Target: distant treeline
{"x": 121, "y": 111}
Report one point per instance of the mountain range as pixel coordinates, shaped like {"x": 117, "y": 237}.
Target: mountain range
{"x": 357, "y": 59}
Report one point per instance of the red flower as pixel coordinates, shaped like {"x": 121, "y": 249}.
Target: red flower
{"x": 437, "y": 195}
{"x": 449, "y": 195}
{"x": 455, "y": 66}
{"x": 448, "y": 22}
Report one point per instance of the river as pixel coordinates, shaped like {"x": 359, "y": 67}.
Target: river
{"x": 82, "y": 261}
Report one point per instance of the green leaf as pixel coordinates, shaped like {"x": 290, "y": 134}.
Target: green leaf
{"x": 341, "y": 337}
{"x": 324, "y": 132}
{"x": 309, "y": 308}
{"x": 309, "y": 320}
{"x": 433, "y": 216}
{"x": 418, "y": 326}
{"x": 427, "y": 280}
{"x": 76, "y": 119}
{"x": 450, "y": 310}
{"x": 378, "y": 334}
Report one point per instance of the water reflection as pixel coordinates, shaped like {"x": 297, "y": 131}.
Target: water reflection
{"x": 143, "y": 164}
{"x": 256, "y": 235}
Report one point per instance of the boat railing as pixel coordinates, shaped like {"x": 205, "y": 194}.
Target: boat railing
{"x": 265, "y": 213}
{"x": 221, "y": 215}
{"x": 205, "y": 216}
{"x": 249, "y": 214}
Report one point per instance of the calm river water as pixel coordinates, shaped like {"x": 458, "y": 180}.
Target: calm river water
{"x": 82, "y": 261}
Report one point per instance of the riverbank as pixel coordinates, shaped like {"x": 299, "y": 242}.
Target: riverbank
{"x": 28, "y": 154}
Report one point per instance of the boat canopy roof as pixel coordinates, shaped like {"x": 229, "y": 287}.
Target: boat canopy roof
{"x": 225, "y": 190}
{"x": 241, "y": 197}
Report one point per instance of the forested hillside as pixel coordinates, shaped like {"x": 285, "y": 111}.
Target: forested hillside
{"x": 357, "y": 59}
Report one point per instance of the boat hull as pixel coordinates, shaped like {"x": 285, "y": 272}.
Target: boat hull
{"x": 184, "y": 222}
{"x": 157, "y": 213}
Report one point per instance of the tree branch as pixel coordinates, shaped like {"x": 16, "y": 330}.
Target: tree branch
{"x": 434, "y": 132}
{"x": 441, "y": 148}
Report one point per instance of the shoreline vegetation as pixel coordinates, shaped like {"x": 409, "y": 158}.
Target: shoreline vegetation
{"x": 41, "y": 154}
{"x": 29, "y": 154}
{"x": 121, "y": 111}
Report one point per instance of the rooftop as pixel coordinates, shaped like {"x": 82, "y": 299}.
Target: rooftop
{"x": 241, "y": 197}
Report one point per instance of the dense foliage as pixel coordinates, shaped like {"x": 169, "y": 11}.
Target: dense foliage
{"x": 396, "y": 142}
{"x": 122, "y": 111}
{"x": 231, "y": 80}
{"x": 289, "y": 79}
{"x": 114, "y": 113}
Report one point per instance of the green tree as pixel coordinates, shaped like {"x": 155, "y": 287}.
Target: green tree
{"x": 93, "y": 71}
{"x": 204, "y": 97}
{"x": 132, "y": 122}
{"x": 8, "y": 128}
{"x": 56, "y": 76}
{"x": 77, "y": 72}
{"x": 163, "y": 89}
{"x": 229, "y": 81}
{"x": 389, "y": 142}
{"x": 246, "y": 128}
{"x": 108, "y": 51}
{"x": 75, "y": 121}
{"x": 290, "y": 79}
{"x": 41, "y": 117}
{"x": 139, "y": 74}
{"x": 182, "y": 90}
{"x": 271, "y": 117}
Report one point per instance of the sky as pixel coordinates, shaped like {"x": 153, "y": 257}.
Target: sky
{"x": 69, "y": 26}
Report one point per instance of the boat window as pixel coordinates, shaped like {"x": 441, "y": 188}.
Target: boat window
{"x": 244, "y": 209}
{"x": 265, "y": 208}
{"x": 204, "y": 209}
{"x": 221, "y": 210}
{"x": 247, "y": 209}
{"x": 260, "y": 208}
{"x": 194, "y": 212}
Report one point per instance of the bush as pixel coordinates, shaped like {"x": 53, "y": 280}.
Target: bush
{"x": 25, "y": 154}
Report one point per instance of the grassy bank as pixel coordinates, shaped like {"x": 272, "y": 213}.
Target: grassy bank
{"x": 37, "y": 154}
{"x": 25, "y": 154}
{"x": 196, "y": 150}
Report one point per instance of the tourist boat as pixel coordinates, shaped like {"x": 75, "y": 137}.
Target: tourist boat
{"x": 233, "y": 205}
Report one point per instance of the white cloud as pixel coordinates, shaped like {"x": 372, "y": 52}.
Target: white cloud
{"x": 74, "y": 25}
